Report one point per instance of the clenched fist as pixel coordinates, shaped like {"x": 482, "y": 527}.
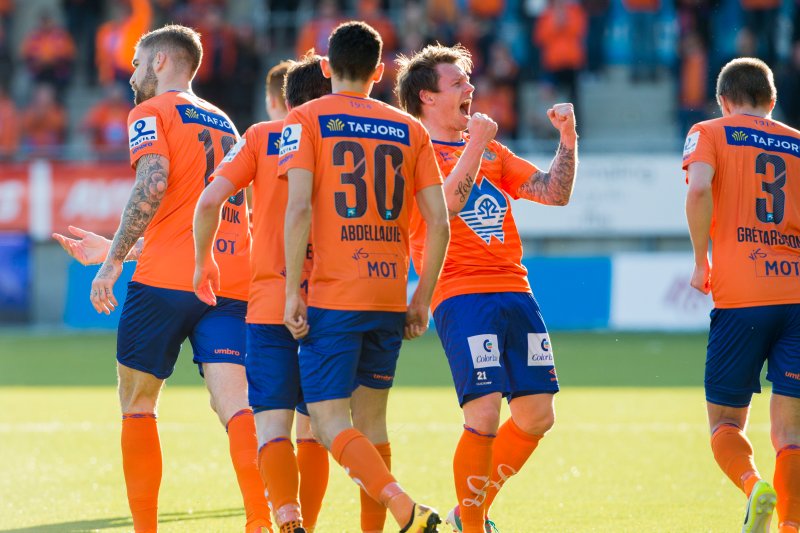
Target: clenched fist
{"x": 481, "y": 128}
{"x": 563, "y": 118}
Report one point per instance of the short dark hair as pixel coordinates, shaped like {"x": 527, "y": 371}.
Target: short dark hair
{"x": 354, "y": 51}
{"x": 180, "y": 41}
{"x": 304, "y": 81}
{"x": 747, "y": 81}
{"x": 276, "y": 78}
{"x": 418, "y": 73}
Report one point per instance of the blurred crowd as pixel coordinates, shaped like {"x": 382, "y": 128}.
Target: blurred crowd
{"x": 77, "y": 48}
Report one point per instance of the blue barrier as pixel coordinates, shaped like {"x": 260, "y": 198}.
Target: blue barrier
{"x": 15, "y": 277}
{"x": 78, "y": 310}
{"x": 573, "y": 292}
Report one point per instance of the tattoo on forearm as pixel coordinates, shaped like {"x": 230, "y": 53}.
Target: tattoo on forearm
{"x": 148, "y": 191}
{"x": 553, "y": 187}
{"x": 464, "y": 187}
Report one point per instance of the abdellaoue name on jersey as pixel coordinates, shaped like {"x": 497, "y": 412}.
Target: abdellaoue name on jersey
{"x": 191, "y": 114}
{"x": 370, "y": 232}
{"x": 739, "y": 136}
{"x": 352, "y": 126}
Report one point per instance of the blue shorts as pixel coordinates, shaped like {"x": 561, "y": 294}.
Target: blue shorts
{"x": 273, "y": 369}
{"x": 345, "y": 349}
{"x": 496, "y": 342}
{"x": 156, "y": 321}
{"x": 739, "y": 342}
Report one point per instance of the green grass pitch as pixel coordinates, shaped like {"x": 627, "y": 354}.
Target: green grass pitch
{"x": 629, "y": 451}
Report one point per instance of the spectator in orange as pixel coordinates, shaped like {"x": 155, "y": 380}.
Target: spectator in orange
{"x": 107, "y": 40}
{"x": 761, "y": 18}
{"x": 693, "y": 82}
{"x": 43, "y": 123}
{"x": 107, "y": 123}
{"x": 9, "y": 126}
{"x": 560, "y": 32}
{"x": 370, "y": 12}
{"x": 487, "y": 9}
{"x": 643, "y": 17}
{"x": 497, "y": 101}
{"x": 138, "y": 22}
{"x": 49, "y": 52}
{"x": 216, "y": 72}
{"x": 315, "y": 32}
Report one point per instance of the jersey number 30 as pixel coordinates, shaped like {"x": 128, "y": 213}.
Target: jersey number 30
{"x": 356, "y": 179}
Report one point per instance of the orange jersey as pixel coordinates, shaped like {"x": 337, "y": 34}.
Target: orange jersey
{"x": 194, "y": 135}
{"x": 255, "y": 160}
{"x": 369, "y": 160}
{"x": 485, "y": 253}
{"x": 755, "y": 229}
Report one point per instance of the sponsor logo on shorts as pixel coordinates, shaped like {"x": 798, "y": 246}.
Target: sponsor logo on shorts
{"x": 142, "y": 131}
{"x": 484, "y": 350}
{"x": 226, "y": 351}
{"x": 382, "y": 377}
{"x": 290, "y": 138}
{"x": 793, "y": 375}
{"x": 539, "y": 351}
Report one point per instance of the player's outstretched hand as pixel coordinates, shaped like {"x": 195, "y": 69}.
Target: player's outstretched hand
{"x": 416, "y": 320}
{"x": 563, "y": 118}
{"x": 295, "y": 316}
{"x": 481, "y": 128}
{"x": 701, "y": 277}
{"x": 206, "y": 281}
{"x": 88, "y": 249}
{"x": 102, "y": 295}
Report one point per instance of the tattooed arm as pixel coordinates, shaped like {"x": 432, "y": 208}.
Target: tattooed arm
{"x": 145, "y": 199}
{"x": 458, "y": 184}
{"x": 554, "y": 187}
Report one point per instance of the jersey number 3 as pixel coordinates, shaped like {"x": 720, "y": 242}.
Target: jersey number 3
{"x": 773, "y": 188}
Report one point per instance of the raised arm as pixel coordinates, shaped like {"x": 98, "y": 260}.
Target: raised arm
{"x": 458, "y": 184}
{"x": 699, "y": 212}
{"x": 206, "y": 224}
{"x": 297, "y": 225}
{"x": 554, "y": 187}
{"x": 144, "y": 201}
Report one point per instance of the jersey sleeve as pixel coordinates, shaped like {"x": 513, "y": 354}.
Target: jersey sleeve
{"x": 516, "y": 170}
{"x": 427, "y": 172}
{"x": 239, "y": 165}
{"x": 699, "y": 147}
{"x": 297, "y": 143}
{"x": 146, "y": 133}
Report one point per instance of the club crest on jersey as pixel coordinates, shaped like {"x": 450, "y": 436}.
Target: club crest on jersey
{"x": 142, "y": 131}
{"x": 274, "y": 143}
{"x": 485, "y": 211}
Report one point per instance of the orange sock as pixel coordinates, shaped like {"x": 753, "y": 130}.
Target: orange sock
{"x": 244, "y": 455}
{"x": 364, "y": 465}
{"x": 471, "y": 463}
{"x": 734, "y": 455}
{"x": 373, "y": 514}
{"x": 278, "y": 466}
{"x": 312, "y": 463}
{"x": 511, "y": 451}
{"x": 787, "y": 485}
{"x": 141, "y": 464}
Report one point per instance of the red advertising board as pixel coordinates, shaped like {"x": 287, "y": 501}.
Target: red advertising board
{"x": 90, "y": 195}
{"x": 14, "y": 197}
